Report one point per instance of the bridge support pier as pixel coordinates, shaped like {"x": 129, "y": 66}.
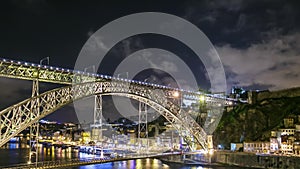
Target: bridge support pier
{"x": 34, "y": 128}
{"x": 143, "y": 126}
{"x": 97, "y": 134}
{"x": 97, "y": 126}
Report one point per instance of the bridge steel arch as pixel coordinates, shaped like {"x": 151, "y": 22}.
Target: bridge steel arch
{"x": 18, "y": 117}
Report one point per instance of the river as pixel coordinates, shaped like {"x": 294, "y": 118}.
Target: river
{"x": 14, "y": 153}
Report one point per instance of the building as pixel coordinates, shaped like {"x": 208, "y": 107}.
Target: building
{"x": 287, "y": 131}
{"x": 285, "y": 140}
{"x": 236, "y": 146}
{"x": 296, "y": 148}
{"x": 286, "y": 148}
{"x": 257, "y": 147}
{"x": 274, "y": 145}
{"x": 85, "y": 137}
{"x": 288, "y": 122}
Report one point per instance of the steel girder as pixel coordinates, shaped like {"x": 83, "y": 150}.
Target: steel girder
{"x": 51, "y": 74}
{"x": 30, "y": 71}
{"x": 18, "y": 117}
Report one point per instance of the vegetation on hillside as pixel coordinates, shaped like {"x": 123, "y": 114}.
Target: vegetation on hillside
{"x": 254, "y": 122}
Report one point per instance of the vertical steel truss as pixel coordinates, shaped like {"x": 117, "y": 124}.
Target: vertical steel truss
{"x": 34, "y": 128}
{"x": 98, "y": 118}
{"x": 143, "y": 126}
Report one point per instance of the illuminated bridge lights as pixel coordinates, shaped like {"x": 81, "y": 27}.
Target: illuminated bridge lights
{"x": 141, "y": 91}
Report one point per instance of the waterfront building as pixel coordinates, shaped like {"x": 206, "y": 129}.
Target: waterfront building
{"x": 285, "y": 140}
{"x": 286, "y": 148}
{"x": 236, "y": 146}
{"x": 86, "y": 137}
{"x": 296, "y": 148}
{"x": 287, "y": 136}
{"x": 287, "y": 131}
{"x": 274, "y": 145}
{"x": 257, "y": 147}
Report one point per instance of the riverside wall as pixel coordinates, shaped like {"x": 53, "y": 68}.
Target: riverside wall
{"x": 256, "y": 161}
{"x": 260, "y": 96}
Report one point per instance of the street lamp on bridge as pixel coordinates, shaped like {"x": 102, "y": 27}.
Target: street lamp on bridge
{"x": 45, "y": 59}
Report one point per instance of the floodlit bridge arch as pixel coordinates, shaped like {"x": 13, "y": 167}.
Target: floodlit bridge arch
{"x": 18, "y": 117}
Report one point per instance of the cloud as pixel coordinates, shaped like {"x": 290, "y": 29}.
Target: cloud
{"x": 257, "y": 41}
{"x": 230, "y": 5}
{"x": 273, "y": 63}
{"x": 130, "y": 45}
{"x": 96, "y": 42}
{"x": 240, "y": 23}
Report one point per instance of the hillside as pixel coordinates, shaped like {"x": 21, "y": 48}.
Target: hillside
{"x": 252, "y": 122}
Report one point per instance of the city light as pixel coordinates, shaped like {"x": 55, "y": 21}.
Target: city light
{"x": 235, "y": 105}
{"x": 202, "y": 98}
{"x": 176, "y": 94}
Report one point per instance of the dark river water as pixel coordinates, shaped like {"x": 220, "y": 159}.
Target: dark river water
{"x": 12, "y": 153}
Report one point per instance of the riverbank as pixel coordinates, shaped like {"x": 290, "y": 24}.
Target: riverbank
{"x": 256, "y": 161}
{"x": 238, "y": 159}
{"x": 190, "y": 159}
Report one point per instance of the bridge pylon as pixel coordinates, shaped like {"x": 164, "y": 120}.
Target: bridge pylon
{"x": 97, "y": 126}
{"x": 143, "y": 126}
{"x": 97, "y": 134}
{"x": 34, "y": 128}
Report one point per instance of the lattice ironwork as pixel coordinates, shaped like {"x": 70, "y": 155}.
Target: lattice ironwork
{"x": 18, "y": 117}
{"x": 31, "y": 71}
{"x": 51, "y": 74}
{"x": 34, "y": 128}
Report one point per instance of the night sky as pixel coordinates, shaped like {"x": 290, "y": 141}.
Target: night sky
{"x": 258, "y": 41}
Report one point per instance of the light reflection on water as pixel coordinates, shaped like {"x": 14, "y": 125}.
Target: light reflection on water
{"x": 130, "y": 164}
{"x": 15, "y": 153}
{"x": 145, "y": 164}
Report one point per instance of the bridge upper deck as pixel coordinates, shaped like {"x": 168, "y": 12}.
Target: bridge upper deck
{"x": 45, "y": 73}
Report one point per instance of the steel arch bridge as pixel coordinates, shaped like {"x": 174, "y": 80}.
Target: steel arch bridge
{"x": 18, "y": 117}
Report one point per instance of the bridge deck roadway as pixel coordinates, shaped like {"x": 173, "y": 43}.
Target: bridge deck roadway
{"x": 81, "y": 162}
{"x": 51, "y": 74}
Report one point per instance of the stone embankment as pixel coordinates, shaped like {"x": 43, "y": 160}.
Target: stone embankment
{"x": 257, "y": 161}
{"x": 292, "y": 92}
